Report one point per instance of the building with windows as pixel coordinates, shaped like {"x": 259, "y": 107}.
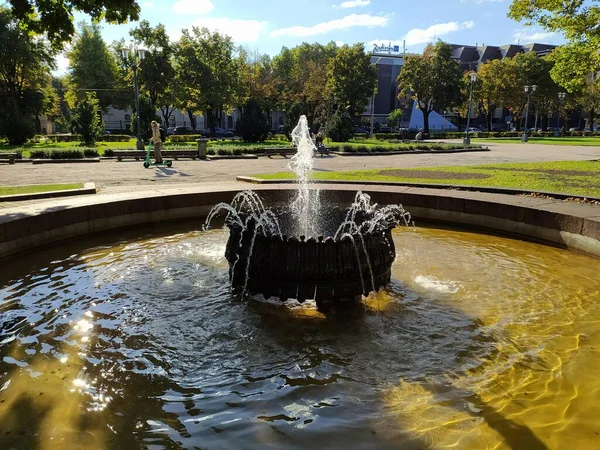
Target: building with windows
{"x": 390, "y": 59}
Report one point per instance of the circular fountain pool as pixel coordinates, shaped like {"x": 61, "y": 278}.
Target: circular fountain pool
{"x": 479, "y": 342}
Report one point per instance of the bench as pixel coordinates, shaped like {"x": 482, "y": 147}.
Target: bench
{"x": 283, "y": 151}
{"x": 141, "y": 154}
{"x": 8, "y": 157}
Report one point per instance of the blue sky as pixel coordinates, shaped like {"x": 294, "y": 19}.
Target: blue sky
{"x": 267, "y": 25}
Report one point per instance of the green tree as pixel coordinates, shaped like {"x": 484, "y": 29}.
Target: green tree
{"x": 93, "y": 68}
{"x": 209, "y": 72}
{"x": 340, "y": 127}
{"x": 351, "y": 78}
{"x": 157, "y": 74}
{"x": 395, "y": 117}
{"x": 589, "y": 99}
{"x": 254, "y": 123}
{"x": 55, "y": 18}
{"x": 147, "y": 115}
{"x": 578, "y": 21}
{"x": 25, "y": 81}
{"x": 86, "y": 119}
{"x": 433, "y": 80}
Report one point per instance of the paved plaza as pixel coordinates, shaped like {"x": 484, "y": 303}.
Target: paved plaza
{"x": 111, "y": 176}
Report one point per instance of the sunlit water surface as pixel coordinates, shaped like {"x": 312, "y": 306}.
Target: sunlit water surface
{"x": 480, "y": 342}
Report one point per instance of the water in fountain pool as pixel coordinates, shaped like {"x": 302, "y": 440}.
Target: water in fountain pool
{"x": 141, "y": 344}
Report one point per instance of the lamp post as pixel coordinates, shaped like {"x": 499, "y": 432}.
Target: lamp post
{"x": 138, "y": 53}
{"x": 561, "y": 98}
{"x": 528, "y": 90}
{"x": 373, "y": 103}
{"x": 467, "y": 139}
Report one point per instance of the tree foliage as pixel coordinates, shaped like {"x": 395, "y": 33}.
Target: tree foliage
{"x": 433, "y": 80}
{"x": 157, "y": 74}
{"x": 340, "y": 127}
{"x": 55, "y": 18}
{"x": 25, "y": 81}
{"x": 147, "y": 115}
{"x": 93, "y": 68}
{"x": 86, "y": 119}
{"x": 578, "y": 21}
{"x": 254, "y": 123}
{"x": 208, "y": 69}
{"x": 351, "y": 78}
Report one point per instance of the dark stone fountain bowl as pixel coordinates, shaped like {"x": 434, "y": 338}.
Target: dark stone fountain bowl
{"x": 330, "y": 271}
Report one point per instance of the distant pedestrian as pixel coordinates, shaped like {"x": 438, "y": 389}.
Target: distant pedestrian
{"x": 157, "y": 141}
{"x": 419, "y": 136}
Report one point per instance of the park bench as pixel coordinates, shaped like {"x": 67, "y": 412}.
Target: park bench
{"x": 141, "y": 154}
{"x": 8, "y": 157}
{"x": 283, "y": 151}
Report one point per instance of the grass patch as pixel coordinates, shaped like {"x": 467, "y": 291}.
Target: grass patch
{"x": 575, "y": 141}
{"x": 567, "y": 177}
{"x": 35, "y": 188}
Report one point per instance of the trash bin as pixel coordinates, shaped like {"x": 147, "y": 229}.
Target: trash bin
{"x": 202, "y": 146}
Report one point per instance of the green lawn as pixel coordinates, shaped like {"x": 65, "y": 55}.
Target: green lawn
{"x": 34, "y": 188}
{"x": 577, "y": 141}
{"x": 570, "y": 177}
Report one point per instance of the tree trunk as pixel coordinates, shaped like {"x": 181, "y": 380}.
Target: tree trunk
{"x": 592, "y": 112}
{"x": 488, "y": 121}
{"x": 426, "y": 122}
{"x": 192, "y": 119}
{"x": 166, "y": 113}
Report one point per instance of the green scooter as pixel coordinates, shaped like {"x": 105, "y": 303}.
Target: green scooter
{"x": 148, "y": 162}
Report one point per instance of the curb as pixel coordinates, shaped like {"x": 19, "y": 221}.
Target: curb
{"x": 412, "y": 152}
{"x": 88, "y": 188}
{"x": 60, "y": 161}
{"x": 216, "y": 157}
{"x": 457, "y": 187}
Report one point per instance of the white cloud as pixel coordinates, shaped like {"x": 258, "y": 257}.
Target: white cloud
{"x": 239, "y": 30}
{"x": 526, "y": 37}
{"x": 420, "y": 36}
{"x": 193, "y": 7}
{"x": 353, "y": 4}
{"x": 147, "y": 5}
{"x": 351, "y": 21}
{"x": 339, "y": 43}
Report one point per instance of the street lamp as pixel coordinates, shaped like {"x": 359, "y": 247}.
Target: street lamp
{"x": 373, "y": 103}
{"x": 467, "y": 139}
{"x": 561, "y": 98}
{"x": 528, "y": 90}
{"x": 138, "y": 53}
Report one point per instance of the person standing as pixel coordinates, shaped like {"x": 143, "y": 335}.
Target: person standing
{"x": 157, "y": 141}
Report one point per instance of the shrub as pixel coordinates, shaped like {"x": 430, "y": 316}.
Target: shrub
{"x": 38, "y": 154}
{"x": 86, "y": 119}
{"x": 67, "y": 153}
{"x": 16, "y": 127}
{"x": 185, "y": 137}
{"x": 223, "y": 151}
{"x": 238, "y": 151}
{"x": 210, "y": 151}
{"x": 109, "y": 152}
{"x": 90, "y": 153}
{"x": 340, "y": 127}
{"x": 254, "y": 123}
{"x": 115, "y": 138}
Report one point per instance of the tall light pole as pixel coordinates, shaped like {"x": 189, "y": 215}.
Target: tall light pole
{"x": 467, "y": 139}
{"x": 373, "y": 101}
{"x": 138, "y": 53}
{"x": 528, "y": 90}
{"x": 561, "y": 98}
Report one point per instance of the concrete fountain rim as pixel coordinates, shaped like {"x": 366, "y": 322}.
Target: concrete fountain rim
{"x": 566, "y": 224}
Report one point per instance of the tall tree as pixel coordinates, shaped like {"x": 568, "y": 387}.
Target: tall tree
{"x": 433, "y": 80}
{"x": 55, "y": 18}
{"x": 351, "y": 78}
{"x": 25, "y": 81}
{"x": 578, "y": 21}
{"x": 208, "y": 69}
{"x": 157, "y": 74}
{"x": 87, "y": 120}
{"x": 93, "y": 68}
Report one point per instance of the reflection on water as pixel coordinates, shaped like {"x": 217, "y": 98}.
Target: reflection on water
{"x": 480, "y": 342}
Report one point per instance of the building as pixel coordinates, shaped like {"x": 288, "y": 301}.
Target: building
{"x": 390, "y": 59}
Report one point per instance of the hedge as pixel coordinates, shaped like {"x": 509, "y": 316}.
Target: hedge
{"x": 77, "y": 138}
{"x": 383, "y": 149}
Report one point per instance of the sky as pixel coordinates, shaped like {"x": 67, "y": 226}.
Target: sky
{"x": 267, "y": 25}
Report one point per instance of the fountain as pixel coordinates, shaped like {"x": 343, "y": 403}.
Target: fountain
{"x": 308, "y": 250}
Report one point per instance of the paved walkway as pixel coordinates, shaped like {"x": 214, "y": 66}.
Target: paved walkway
{"x": 113, "y": 177}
